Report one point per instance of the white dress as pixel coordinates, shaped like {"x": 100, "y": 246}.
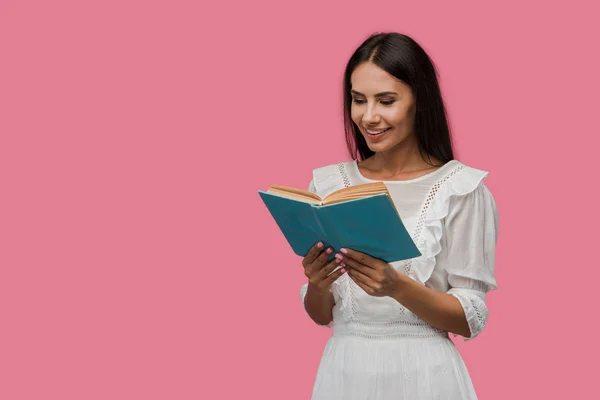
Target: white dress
{"x": 379, "y": 350}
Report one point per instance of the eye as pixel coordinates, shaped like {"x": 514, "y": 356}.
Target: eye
{"x": 388, "y": 102}
{"x": 358, "y": 101}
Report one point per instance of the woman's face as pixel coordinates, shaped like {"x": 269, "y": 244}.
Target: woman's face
{"x": 382, "y": 107}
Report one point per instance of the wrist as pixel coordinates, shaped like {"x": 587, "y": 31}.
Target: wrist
{"x": 318, "y": 290}
{"x": 400, "y": 287}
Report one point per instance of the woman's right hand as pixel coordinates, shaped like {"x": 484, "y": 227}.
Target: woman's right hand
{"x": 318, "y": 270}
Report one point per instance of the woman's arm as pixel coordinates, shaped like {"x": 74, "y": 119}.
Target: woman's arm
{"x": 316, "y": 294}
{"x": 319, "y": 304}
{"x": 440, "y": 310}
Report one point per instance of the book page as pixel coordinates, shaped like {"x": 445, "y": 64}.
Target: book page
{"x": 296, "y": 194}
{"x": 356, "y": 192}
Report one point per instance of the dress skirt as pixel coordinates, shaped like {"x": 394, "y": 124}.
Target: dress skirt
{"x": 401, "y": 362}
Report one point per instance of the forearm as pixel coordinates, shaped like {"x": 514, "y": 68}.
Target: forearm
{"x": 440, "y": 310}
{"x": 319, "y": 304}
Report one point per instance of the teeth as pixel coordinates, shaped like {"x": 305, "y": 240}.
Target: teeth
{"x": 377, "y": 132}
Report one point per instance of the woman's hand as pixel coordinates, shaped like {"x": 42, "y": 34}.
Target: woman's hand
{"x": 318, "y": 270}
{"x": 374, "y": 276}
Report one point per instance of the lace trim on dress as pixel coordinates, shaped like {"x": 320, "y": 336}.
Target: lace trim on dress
{"x": 408, "y": 266}
{"x": 437, "y": 208}
{"x": 344, "y": 174}
{"x": 386, "y": 329}
{"x": 476, "y": 311}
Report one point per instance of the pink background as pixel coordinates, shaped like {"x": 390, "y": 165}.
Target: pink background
{"x": 137, "y": 261}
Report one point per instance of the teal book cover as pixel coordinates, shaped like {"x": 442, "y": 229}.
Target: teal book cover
{"x": 370, "y": 225}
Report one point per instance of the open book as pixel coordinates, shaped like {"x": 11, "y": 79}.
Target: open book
{"x": 345, "y": 194}
{"x": 361, "y": 217}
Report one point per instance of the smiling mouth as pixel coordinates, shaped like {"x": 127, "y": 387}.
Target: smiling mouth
{"x": 376, "y": 133}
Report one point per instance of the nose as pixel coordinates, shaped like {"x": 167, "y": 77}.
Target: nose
{"x": 370, "y": 116}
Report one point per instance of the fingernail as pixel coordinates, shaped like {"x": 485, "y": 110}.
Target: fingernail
{"x": 329, "y": 250}
{"x": 319, "y": 245}
{"x": 344, "y": 251}
{"x": 343, "y": 271}
{"x": 339, "y": 256}
{"x": 343, "y": 264}
{"x": 337, "y": 260}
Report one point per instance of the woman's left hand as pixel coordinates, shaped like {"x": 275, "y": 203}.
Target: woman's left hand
{"x": 374, "y": 276}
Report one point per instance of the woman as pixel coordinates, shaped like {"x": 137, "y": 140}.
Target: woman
{"x": 391, "y": 321}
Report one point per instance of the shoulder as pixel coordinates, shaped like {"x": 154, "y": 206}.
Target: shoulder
{"x": 459, "y": 185}
{"x": 329, "y": 178}
{"x": 466, "y": 191}
{"x": 462, "y": 179}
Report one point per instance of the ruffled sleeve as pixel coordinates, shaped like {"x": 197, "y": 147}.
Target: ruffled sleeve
{"x": 469, "y": 242}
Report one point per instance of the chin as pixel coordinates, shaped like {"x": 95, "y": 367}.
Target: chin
{"x": 388, "y": 143}
{"x": 378, "y": 147}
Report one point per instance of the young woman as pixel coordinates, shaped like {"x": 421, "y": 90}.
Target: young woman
{"x": 391, "y": 321}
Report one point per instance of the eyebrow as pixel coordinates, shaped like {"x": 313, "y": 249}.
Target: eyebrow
{"x": 377, "y": 95}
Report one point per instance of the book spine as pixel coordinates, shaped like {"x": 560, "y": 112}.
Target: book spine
{"x": 315, "y": 211}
